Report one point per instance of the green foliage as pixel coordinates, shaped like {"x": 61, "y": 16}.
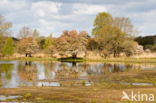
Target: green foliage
{"x": 129, "y": 47}
{"x": 148, "y": 42}
{"x": 41, "y": 42}
{"x": 92, "y": 44}
{"x": 49, "y": 45}
{"x": 4, "y": 31}
{"x": 48, "y": 42}
{"x": 102, "y": 20}
{"x": 1, "y": 43}
{"x": 111, "y": 33}
{"x": 7, "y": 70}
{"x": 8, "y": 48}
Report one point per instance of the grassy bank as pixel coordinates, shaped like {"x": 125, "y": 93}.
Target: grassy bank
{"x": 95, "y": 94}
{"x": 126, "y": 60}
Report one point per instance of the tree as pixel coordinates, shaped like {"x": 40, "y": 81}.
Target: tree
{"x": 41, "y": 42}
{"x": 28, "y": 46}
{"x": 8, "y": 48}
{"x": 2, "y": 41}
{"x": 48, "y": 42}
{"x": 125, "y": 25}
{"x": 49, "y": 45}
{"x": 4, "y": 26}
{"x": 111, "y": 33}
{"x": 148, "y": 42}
{"x": 4, "y": 31}
{"x": 129, "y": 47}
{"x": 72, "y": 43}
{"x": 92, "y": 44}
{"x": 25, "y": 32}
{"x": 102, "y": 20}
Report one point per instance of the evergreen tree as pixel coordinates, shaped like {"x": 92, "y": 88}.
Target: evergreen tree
{"x": 8, "y": 48}
{"x": 48, "y": 42}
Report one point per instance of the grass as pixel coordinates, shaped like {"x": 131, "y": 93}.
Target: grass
{"x": 125, "y": 60}
{"x": 102, "y": 93}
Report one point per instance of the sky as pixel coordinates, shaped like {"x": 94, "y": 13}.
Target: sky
{"x": 55, "y": 16}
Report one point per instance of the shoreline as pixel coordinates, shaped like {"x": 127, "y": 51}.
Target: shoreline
{"x": 115, "y": 60}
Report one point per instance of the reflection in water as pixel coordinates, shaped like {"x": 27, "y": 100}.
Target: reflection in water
{"x": 14, "y": 74}
{"x": 27, "y": 72}
{"x": 28, "y": 63}
{"x": 88, "y": 83}
{"x": 3, "y": 97}
{"x": 7, "y": 69}
{"x": 142, "y": 84}
{"x": 117, "y": 68}
{"x": 54, "y": 84}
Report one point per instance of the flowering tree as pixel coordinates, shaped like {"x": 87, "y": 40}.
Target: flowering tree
{"x": 28, "y": 46}
{"x": 72, "y": 42}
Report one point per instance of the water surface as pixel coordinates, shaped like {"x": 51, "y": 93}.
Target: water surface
{"x": 14, "y": 74}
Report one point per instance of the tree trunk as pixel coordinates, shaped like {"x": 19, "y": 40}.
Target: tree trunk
{"x": 26, "y": 54}
{"x": 74, "y": 55}
{"x": 29, "y": 54}
{"x": 114, "y": 54}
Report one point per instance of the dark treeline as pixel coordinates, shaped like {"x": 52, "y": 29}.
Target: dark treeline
{"x": 111, "y": 36}
{"x": 148, "y": 42}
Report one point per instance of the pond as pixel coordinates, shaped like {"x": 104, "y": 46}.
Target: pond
{"x": 14, "y": 74}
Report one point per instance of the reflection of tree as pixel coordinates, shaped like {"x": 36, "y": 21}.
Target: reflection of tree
{"x": 49, "y": 65}
{"x": 112, "y": 68}
{"x": 116, "y": 68}
{"x": 63, "y": 65}
{"x": 128, "y": 67}
{"x": 49, "y": 68}
{"x": 27, "y": 72}
{"x": 105, "y": 68}
{"x": 85, "y": 66}
{"x": 67, "y": 72}
{"x": 7, "y": 69}
{"x": 95, "y": 69}
{"x": 28, "y": 63}
{"x": 73, "y": 64}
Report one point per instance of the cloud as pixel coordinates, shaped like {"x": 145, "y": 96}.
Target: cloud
{"x": 145, "y": 22}
{"x": 9, "y": 6}
{"x": 43, "y": 8}
{"x": 88, "y": 9}
{"x": 54, "y": 16}
{"x": 99, "y": 2}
